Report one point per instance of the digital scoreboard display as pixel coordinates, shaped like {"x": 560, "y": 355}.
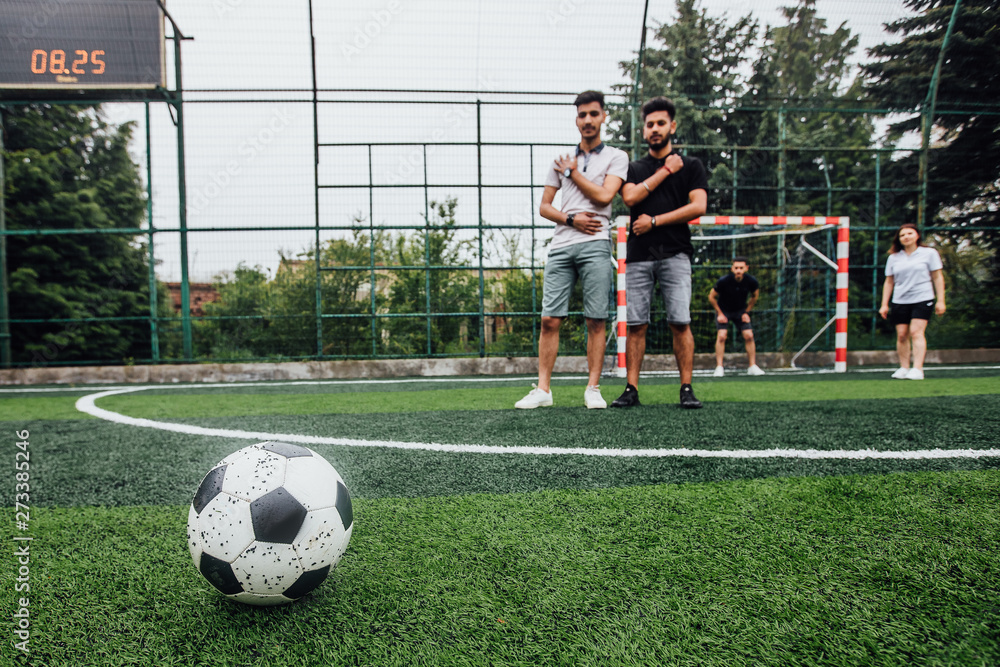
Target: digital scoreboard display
{"x": 81, "y": 44}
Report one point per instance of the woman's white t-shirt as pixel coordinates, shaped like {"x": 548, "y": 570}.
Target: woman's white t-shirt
{"x": 911, "y": 274}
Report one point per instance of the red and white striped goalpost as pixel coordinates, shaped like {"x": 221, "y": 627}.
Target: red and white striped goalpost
{"x": 843, "y": 236}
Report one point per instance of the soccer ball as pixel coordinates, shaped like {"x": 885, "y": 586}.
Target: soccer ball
{"x": 269, "y": 522}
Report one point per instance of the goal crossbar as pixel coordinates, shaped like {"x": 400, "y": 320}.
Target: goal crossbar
{"x": 842, "y": 223}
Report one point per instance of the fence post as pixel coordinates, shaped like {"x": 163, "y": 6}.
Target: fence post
{"x": 927, "y": 118}
{"x": 779, "y": 329}
{"x": 479, "y": 189}
{"x": 427, "y": 255}
{"x": 531, "y": 262}
{"x": 878, "y": 186}
{"x": 154, "y": 337}
{"x": 178, "y": 104}
{"x": 371, "y": 251}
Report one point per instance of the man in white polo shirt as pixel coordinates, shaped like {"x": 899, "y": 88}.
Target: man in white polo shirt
{"x": 581, "y": 247}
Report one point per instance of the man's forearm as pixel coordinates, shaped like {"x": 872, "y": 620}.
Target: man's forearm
{"x": 683, "y": 214}
{"x": 550, "y": 212}
{"x": 635, "y": 193}
{"x": 592, "y": 191}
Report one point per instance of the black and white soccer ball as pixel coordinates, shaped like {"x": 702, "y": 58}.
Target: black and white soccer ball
{"x": 269, "y": 522}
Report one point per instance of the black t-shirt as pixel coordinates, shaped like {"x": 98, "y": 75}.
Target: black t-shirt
{"x": 733, "y": 293}
{"x": 667, "y": 240}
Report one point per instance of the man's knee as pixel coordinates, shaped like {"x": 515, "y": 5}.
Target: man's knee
{"x": 594, "y": 326}
{"x": 637, "y": 329}
{"x": 551, "y": 324}
{"x": 748, "y": 336}
{"x": 722, "y": 335}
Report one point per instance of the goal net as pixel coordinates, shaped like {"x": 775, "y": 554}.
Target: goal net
{"x": 801, "y": 264}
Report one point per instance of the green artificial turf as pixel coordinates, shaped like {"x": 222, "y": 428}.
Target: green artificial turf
{"x": 36, "y": 407}
{"x": 289, "y": 399}
{"x": 472, "y": 558}
{"x": 92, "y": 462}
{"x": 899, "y": 569}
{"x": 177, "y": 404}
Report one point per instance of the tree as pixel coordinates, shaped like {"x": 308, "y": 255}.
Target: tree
{"x": 66, "y": 168}
{"x": 804, "y": 67}
{"x": 348, "y": 291}
{"x": 767, "y": 104}
{"x": 240, "y": 306}
{"x": 259, "y": 317}
{"x": 700, "y": 65}
{"x": 808, "y": 92}
{"x": 730, "y": 84}
{"x": 964, "y": 164}
{"x": 515, "y": 294}
{"x": 964, "y": 160}
{"x": 412, "y": 292}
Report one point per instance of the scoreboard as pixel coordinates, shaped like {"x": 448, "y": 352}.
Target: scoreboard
{"x": 77, "y": 45}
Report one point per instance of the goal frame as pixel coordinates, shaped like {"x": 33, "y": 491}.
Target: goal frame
{"x": 843, "y": 225}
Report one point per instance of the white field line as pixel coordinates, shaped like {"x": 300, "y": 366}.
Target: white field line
{"x": 87, "y": 405}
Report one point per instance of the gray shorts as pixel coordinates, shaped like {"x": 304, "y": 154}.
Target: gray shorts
{"x": 674, "y": 276}
{"x": 589, "y": 261}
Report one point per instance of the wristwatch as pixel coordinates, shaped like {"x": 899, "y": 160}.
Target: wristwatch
{"x": 567, "y": 173}
{"x": 570, "y": 217}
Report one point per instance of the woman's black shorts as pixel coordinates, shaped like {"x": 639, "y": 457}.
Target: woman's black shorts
{"x": 902, "y": 313}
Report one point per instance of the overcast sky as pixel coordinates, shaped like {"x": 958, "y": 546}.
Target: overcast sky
{"x": 251, "y": 164}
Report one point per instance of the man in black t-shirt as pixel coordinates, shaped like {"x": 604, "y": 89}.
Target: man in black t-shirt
{"x": 664, "y": 191}
{"x": 729, "y": 298}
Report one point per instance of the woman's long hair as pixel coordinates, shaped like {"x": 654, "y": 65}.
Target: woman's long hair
{"x": 897, "y": 245}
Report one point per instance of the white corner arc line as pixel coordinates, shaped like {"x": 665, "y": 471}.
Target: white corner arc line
{"x": 87, "y": 404}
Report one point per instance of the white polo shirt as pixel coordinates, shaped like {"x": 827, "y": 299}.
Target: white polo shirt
{"x": 602, "y": 161}
{"x": 911, "y": 274}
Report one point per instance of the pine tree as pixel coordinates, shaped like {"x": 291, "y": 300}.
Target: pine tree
{"x": 702, "y": 63}
{"x": 66, "y": 168}
{"x": 965, "y": 161}
{"x": 698, "y": 62}
{"x": 803, "y": 75}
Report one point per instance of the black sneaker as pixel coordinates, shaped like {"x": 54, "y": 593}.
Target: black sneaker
{"x": 628, "y": 399}
{"x": 688, "y": 400}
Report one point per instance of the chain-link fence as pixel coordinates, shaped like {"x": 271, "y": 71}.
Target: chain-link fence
{"x": 339, "y": 202}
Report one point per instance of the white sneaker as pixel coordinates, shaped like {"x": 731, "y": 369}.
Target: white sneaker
{"x": 901, "y": 373}
{"x": 755, "y": 370}
{"x": 915, "y": 374}
{"x": 536, "y": 398}
{"x": 593, "y": 400}
{"x": 719, "y": 372}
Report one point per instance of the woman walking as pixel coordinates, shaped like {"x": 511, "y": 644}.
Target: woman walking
{"x": 913, "y": 277}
